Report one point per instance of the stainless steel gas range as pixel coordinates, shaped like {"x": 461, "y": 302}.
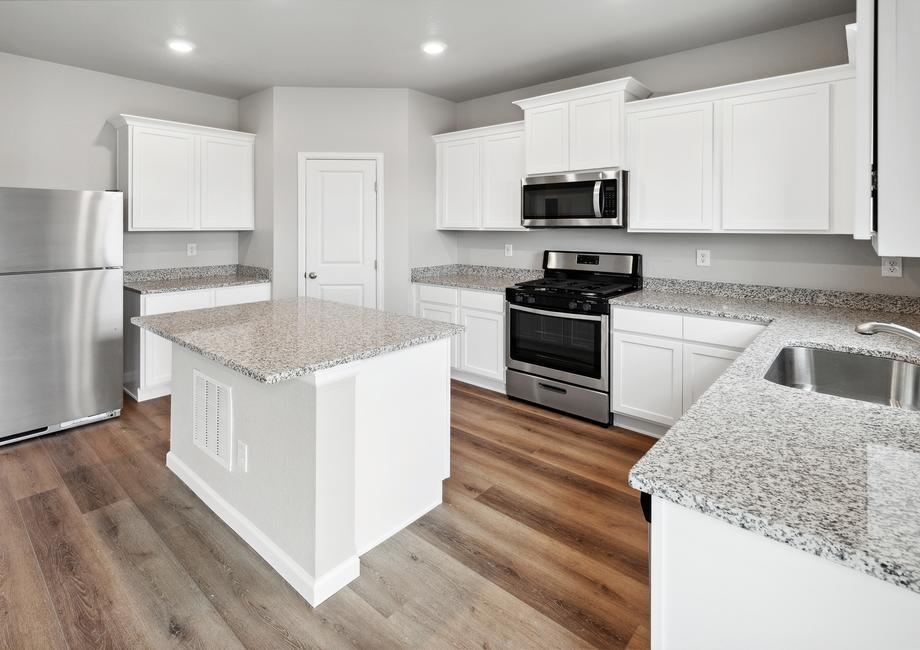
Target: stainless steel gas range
{"x": 557, "y": 331}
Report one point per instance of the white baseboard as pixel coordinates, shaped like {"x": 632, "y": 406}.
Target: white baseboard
{"x": 652, "y": 429}
{"x": 424, "y": 511}
{"x": 313, "y": 589}
{"x": 476, "y": 380}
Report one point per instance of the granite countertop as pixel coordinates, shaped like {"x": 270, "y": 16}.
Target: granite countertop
{"x": 282, "y": 339}
{"x": 466, "y": 276}
{"x": 192, "y": 278}
{"x": 834, "y": 477}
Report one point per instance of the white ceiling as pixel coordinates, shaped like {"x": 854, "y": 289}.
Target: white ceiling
{"x": 493, "y": 45}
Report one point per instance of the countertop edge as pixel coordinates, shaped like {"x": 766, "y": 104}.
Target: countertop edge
{"x": 196, "y": 286}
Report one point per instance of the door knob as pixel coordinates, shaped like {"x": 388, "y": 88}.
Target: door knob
{"x": 312, "y": 275}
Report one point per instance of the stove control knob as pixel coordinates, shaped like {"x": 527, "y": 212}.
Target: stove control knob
{"x": 573, "y": 305}
{"x": 531, "y": 300}
{"x": 586, "y": 306}
{"x": 519, "y": 298}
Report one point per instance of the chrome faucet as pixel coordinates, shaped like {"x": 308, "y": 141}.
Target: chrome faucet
{"x": 891, "y": 328}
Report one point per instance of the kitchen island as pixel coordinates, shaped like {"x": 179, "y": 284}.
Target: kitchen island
{"x": 314, "y": 429}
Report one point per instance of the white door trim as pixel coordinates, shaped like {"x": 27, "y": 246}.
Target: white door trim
{"x": 302, "y": 158}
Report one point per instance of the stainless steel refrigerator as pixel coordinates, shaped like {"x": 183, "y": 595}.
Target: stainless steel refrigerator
{"x": 60, "y": 310}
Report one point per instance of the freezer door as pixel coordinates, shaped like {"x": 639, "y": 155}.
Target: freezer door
{"x": 60, "y": 347}
{"x": 51, "y": 230}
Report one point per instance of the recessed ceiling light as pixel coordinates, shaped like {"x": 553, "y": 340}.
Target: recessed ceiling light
{"x": 180, "y": 45}
{"x": 433, "y": 47}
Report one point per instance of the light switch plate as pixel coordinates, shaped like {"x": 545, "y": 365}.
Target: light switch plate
{"x": 191, "y": 250}
{"x": 703, "y": 258}
{"x": 508, "y": 250}
{"x": 891, "y": 267}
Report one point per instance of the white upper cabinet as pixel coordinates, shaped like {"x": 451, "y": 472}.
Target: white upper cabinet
{"x": 888, "y": 67}
{"x": 577, "y": 129}
{"x": 184, "y": 177}
{"x": 479, "y": 178}
{"x": 776, "y": 160}
{"x": 772, "y": 155}
{"x": 671, "y": 150}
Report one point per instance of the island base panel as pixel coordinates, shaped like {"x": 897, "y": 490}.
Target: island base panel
{"x": 714, "y": 586}
{"x": 323, "y": 467}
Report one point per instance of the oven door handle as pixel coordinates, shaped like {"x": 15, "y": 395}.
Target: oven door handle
{"x": 598, "y": 212}
{"x": 559, "y": 314}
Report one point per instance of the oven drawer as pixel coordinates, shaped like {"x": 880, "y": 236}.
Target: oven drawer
{"x": 583, "y": 402}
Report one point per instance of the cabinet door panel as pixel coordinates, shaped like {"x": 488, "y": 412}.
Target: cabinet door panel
{"x": 503, "y": 167}
{"x": 702, "y": 366}
{"x": 776, "y": 160}
{"x": 671, "y": 168}
{"x": 164, "y": 180}
{"x": 547, "y": 136}
{"x": 226, "y": 184}
{"x": 647, "y": 377}
{"x": 594, "y": 125}
{"x": 443, "y": 314}
{"x": 460, "y": 179}
{"x": 482, "y": 351}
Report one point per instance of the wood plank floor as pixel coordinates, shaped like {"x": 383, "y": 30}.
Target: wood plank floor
{"x": 539, "y": 543}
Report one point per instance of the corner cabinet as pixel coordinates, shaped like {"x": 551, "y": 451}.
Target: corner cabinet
{"x": 479, "y": 178}
{"x": 477, "y": 354}
{"x": 582, "y": 128}
{"x": 774, "y": 155}
{"x": 148, "y": 357}
{"x": 184, "y": 177}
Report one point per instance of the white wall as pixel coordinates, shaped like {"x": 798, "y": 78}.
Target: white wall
{"x": 53, "y": 134}
{"x": 833, "y": 262}
{"x": 257, "y": 116}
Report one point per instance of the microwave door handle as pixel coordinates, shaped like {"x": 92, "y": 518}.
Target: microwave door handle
{"x": 597, "y": 199}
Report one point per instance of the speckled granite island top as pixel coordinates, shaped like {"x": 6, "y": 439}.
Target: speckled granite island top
{"x": 194, "y": 278}
{"x": 834, "y": 477}
{"x": 277, "y": 340}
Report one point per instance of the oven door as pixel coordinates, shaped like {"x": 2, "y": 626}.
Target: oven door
{"x": 559, "y": 345}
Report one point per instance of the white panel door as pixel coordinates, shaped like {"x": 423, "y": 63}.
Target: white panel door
{"x": 671, "y": 168}
{"x": 164, "y": 180}
{"x": 647, "y": 377}
{"x": 226, "y": 184}
{"x": 482, "y": 351}
{"x": 460, "y": 184}
{"x": 341, "y": 231}
{"x": 502, "y": 169}
{"x": 776, "y": 160}
{"x": 594, "y": 127}
{"x": 703, "y": 364}
{"x": 547, "y": 136}
{"x": 443, "y": 314}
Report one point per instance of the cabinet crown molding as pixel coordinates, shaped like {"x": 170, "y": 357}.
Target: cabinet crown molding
{"x": 630, "y": 86}
{"x": 495, "y": 129}
{"x": 767, "y": 84}
{"x": 124, "y": 119}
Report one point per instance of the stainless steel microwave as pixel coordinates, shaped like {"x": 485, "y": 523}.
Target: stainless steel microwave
{"x": 592, "y": 198}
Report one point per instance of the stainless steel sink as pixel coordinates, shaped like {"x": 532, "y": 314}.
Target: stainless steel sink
{"x": 856, "y": 376}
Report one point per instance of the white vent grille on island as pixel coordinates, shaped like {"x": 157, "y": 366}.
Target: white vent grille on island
{"x": 213, "y": 421}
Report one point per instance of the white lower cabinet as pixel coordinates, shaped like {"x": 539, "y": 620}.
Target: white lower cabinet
{"x": 478, "y": 354}
{"x": 661, "y": 363}
{"x": 148, "y": 357}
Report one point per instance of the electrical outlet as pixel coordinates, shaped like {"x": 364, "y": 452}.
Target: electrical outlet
{"x": 891, "y": 267}
{"x": 703, "y": 258}
{"x": 242, "y": 456}
{"x": 191, "y": 250}
{"x": 508, "y": 250}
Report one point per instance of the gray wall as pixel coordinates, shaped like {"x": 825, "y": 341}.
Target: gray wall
{"x": 54, "y": 135}
{"x": 395, "y": 122}
{"x": 822, "y": 261}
